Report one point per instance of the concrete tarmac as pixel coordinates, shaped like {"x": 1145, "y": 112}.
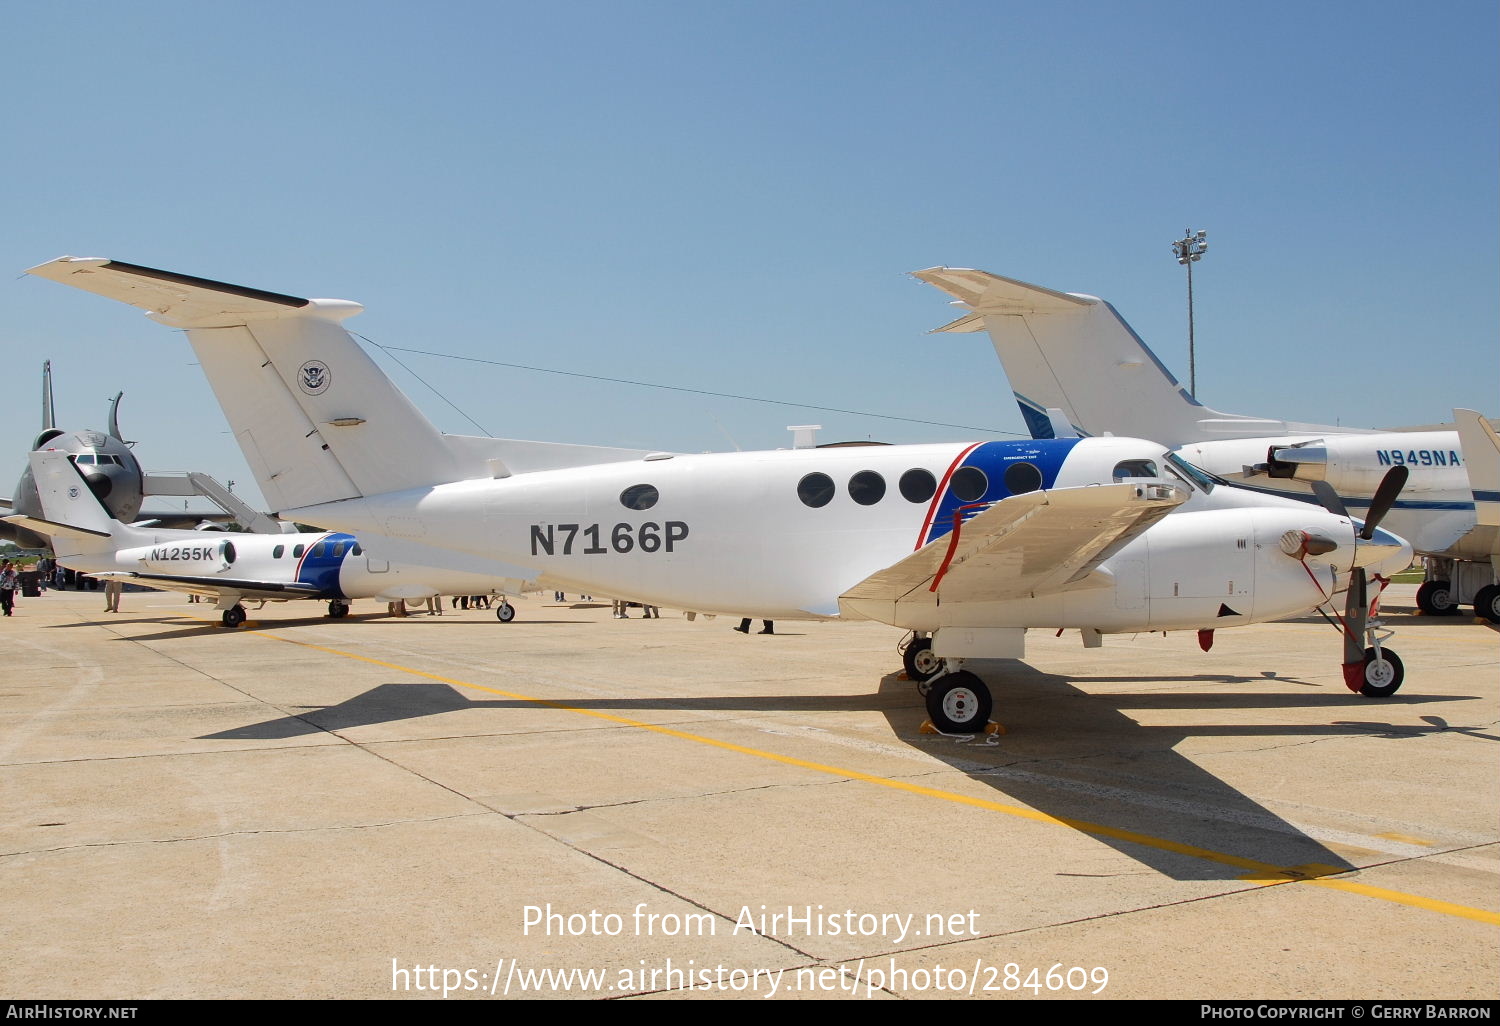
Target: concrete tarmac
{"x": 571, "y": 805}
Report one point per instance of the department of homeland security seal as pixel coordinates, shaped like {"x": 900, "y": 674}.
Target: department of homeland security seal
{"x": 314, "y": 377}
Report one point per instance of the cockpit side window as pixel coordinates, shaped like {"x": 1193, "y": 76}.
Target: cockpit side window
{"x": 1135, "y": 468}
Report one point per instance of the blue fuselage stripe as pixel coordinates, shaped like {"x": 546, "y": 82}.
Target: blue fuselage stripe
{"x": 320, "y": 566}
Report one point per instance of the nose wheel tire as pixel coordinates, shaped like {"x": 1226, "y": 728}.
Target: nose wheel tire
{"x": 1383, "y": 673}
{"x": 233, "y": 616}
{"x": 959, "y": 703}
{"x": 920, "y": 663}
{"x": 505, "y": 612}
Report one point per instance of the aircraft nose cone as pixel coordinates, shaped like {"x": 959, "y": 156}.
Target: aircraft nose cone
{"x": 99, "y": 484}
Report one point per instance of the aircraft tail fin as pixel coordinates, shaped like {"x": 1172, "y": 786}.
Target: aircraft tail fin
{"x": 72, "y": 515}
{"x": 1076, "y": 354}
{"x": 1481, "y": 446}
{"x": 317, "y": 419}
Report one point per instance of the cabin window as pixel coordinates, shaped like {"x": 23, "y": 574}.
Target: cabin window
{"x": 297, "y": 551}
{"x": 1023, "y": 477}
{"x": 1135, "y": 468}
{"x": 641, "y": 496}
{"x": 278, "y": 552}
{"x": 229, "y": 554}
{"x": 867, "y": 488}
{"x": 318, "y": 549}
{"x": 970, "y": 484}
{"x": 815, "y": 490}
{"x": 918, "y": 485}
{"x": 338, "y": 549}
{"x": 356, "y": 550}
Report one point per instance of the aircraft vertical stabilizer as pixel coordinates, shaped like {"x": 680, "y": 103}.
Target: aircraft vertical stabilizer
{"x": 1075, "y": 353}
{"x": 71, "y": 514}
{"x": 317, "y": 419}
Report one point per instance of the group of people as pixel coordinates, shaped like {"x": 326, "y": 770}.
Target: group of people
{"x": 49, "y": 573}
{"x": 621, "y": 610}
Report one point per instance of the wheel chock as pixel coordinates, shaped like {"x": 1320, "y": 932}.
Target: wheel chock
{"x": 989, "y": 728}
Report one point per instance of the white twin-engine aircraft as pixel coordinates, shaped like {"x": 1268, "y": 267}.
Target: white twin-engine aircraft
{"x": 965, "y": 545}
{"x": 229, "y": 568}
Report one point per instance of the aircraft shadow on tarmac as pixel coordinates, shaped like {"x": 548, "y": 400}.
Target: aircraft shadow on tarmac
{"x": 1081, "y": 757}
{"x": 1075, "y": 756}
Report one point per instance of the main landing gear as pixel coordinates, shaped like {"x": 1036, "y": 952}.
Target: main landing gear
{"x": 233, "y": 616}
{"x": 1435, "y": 598}
{"x": 338, "y": 608}
{"x": 1487, "y": 603}
{"x": 920, "y": 663}
{"x": 959, "y": 703}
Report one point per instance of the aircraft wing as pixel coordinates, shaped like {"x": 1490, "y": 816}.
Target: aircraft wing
{"x": 1029, "y": 544}
{"x": 273, "y": 591}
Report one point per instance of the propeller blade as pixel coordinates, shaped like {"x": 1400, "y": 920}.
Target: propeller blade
{"x": 1385, "y": 498}
{"x": 1330, "y": 498}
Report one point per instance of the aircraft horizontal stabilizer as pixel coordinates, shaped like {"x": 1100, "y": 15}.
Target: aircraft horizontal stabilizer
{"x": 53, "y": 530}
{"x": 1026, "y": 545}
{"x": 986, "y": 293}
{"x": 180, "y": 300}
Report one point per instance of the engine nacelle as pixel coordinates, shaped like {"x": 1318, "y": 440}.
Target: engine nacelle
{"x": 192, "y": 557}
{"x": 1355, "y": 464}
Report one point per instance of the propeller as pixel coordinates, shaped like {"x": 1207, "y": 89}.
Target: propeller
{"x": 1356, "y": 603}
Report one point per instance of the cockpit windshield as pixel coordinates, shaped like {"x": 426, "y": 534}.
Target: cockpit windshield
{"x": 1191, "y": 475}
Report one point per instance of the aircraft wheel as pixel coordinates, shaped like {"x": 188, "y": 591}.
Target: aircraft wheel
{"x": 505, "y": 612}
{"x": 921, "y": 665}
{"x": 233, "y": 616}
{"x": 1487, "y": 603}
{"x": 1435, "y": 598}
{"x": 959, "y": 703}
{"x": 1383, "y": 673}
{"x": 337, "y": 609}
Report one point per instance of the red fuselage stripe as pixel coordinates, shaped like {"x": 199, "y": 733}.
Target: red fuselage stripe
{"x": 938, "y": 497}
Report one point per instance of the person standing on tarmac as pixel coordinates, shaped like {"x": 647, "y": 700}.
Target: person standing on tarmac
{"x": 9, "y": 582}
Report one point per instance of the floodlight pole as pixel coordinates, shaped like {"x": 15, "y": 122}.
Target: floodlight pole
{"x": 1189, "y": 250}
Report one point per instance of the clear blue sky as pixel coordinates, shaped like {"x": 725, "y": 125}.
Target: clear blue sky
{"x": 725, "y": 195}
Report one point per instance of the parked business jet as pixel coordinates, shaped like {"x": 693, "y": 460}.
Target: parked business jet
{"x": 229, "y": 568}
{"x": 1076, "y": 355}
{"x": 964, "y": 545}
